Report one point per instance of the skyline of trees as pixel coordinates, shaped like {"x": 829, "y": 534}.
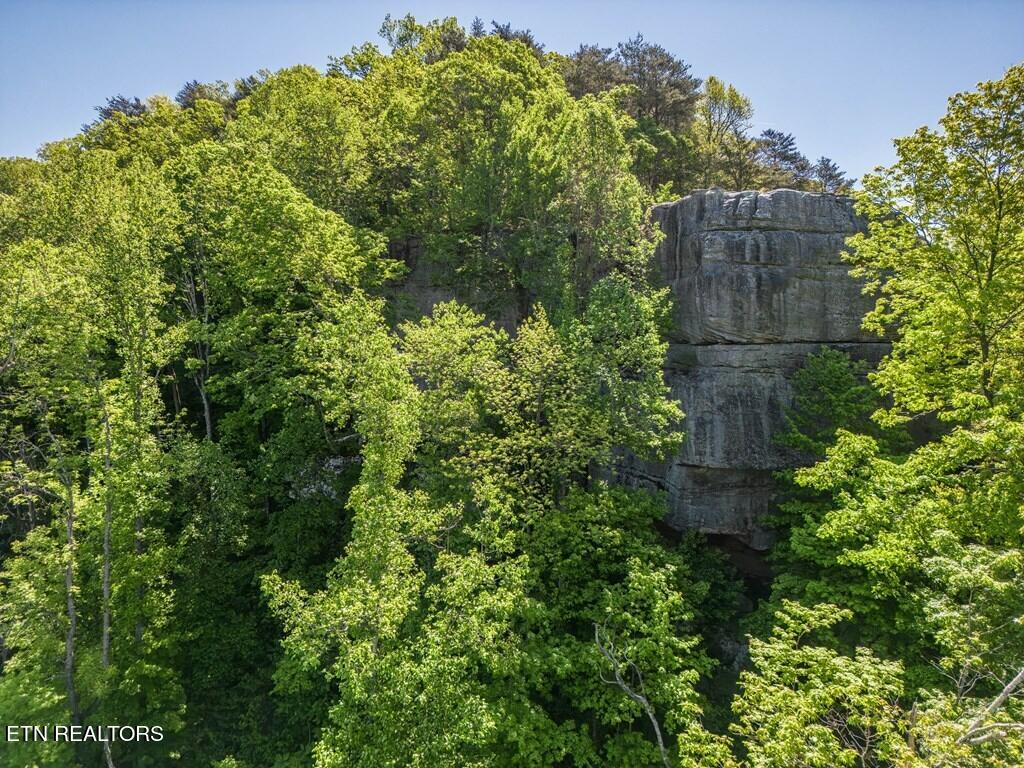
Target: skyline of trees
{"x": 250, "y": 495}
{"x": 658, "y": 91}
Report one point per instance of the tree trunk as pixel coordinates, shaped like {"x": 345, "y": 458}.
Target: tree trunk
{"x": 108, "y": 519}
{"x": 69, "y": 582}
{"x": 207, "y": 412}
{"x": 607, "y": 649}
{"x": 72, "y": 612}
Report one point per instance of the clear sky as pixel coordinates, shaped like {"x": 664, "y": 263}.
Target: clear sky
{"x": 844, "y": 77}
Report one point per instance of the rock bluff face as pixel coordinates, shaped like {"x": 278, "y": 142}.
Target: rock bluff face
{"x": 758, "y": 284}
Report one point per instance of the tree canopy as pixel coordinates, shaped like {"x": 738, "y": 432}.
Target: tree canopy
{"x": 253, "y": 496}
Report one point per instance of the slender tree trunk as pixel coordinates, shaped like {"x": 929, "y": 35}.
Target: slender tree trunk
{"x": 977, "y": 732}
{"x": 70, "y": 638}
{"x": 72, "y": 611}
{"x": 207, "y": 411}
{"x": 137, "y": 421}
{"x": 108, "y": 521}
{"x": 193, "y": 292}
{"x": 175, "y": 393}
{"x": 141, "y": 591}
{"x": 607, "y": 649}
{"x": 69, "y": 582}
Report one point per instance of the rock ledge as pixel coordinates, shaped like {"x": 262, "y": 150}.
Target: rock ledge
{"x": 758, "y": 283}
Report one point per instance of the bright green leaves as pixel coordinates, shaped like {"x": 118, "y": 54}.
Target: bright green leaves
{"x": 620, "y": 337}
{"x": 945, "y": 248}
{"x": 32, "y": 601}
{"x": 87, "y": 335}
{"x": 600, "y": 566}
{"x": 975, "y": 604}
{"x": 720, "y": 133}
{"x": 921, "y": 543}
{"x": 111, "y": 228}
{"x": 243, "y": 498}
{"x": 602, "y": 203}
{"x": 804, "y": 704}
{"x": 443, "y": 622}
{"x": 159, "y": 134}
{"x": 428, "y": 623}
{"x": 588, "y": 213}
{"x": 309, "y": 127}
{"x": 812, "y": 705}
{"x": 243, "y": 209}
{"x": 467, "y": 183}
{"x": 272, "y": 268}
{"x": 830, "y": 392}
{"x": 556, "y": 399}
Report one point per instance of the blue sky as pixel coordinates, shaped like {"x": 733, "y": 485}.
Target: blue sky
{"x": 844, "y": 77}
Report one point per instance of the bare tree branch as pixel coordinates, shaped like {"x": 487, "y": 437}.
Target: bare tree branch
{"x": 977, "y": 733}
{"x": 607, "y": 649}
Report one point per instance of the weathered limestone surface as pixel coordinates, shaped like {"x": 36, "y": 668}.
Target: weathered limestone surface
{"x": 426, "y": 285}
{"x": 758, "y": 284}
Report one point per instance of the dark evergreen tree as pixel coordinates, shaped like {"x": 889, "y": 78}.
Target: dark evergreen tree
{"x": 666, "y": 92}
{"x": 507, "y": 32}
{"x": 193, "y": 90}
{"x": 783, "y": 165}
{"x": 828, "y": 177}
{"x": 118, "y": 105}
{"x": 593, "y": 69}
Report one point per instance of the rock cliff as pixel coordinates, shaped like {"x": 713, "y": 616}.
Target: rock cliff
{"x": 758, "y": 283}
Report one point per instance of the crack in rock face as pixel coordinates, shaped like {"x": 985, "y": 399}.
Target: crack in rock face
{"x": 758, "y": 283}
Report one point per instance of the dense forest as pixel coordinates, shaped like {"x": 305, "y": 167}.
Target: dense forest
{"x": 254, "y": 499}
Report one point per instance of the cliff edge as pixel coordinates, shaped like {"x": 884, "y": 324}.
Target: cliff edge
{"x": 758, "y": 283}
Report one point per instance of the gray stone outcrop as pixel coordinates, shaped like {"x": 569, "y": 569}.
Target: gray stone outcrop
{"x": 758, "y": 284}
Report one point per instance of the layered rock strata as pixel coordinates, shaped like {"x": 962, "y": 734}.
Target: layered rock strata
{"x": 758, "y": 284}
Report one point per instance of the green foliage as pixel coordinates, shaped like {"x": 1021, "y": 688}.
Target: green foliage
{"x": 657, "y": 90}
{"x": 691, "y": 136}
{"x": 250, "y": 497}
{"x": 803, "y": 704}
{"x": 241, "y": 499}
{"x": 783, "y": 164}
{"x": 944, "y": 247}
{"x": 921, "y": 543}
{"x": 720, "y": 130}
{"x": 81, "y": 436}
{"x": 469, "y": 652}
{"x": 831, "y": 392}
{"x": 831, "y": 397}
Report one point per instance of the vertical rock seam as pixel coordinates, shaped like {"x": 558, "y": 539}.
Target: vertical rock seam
{"x": 758, "y": 284}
